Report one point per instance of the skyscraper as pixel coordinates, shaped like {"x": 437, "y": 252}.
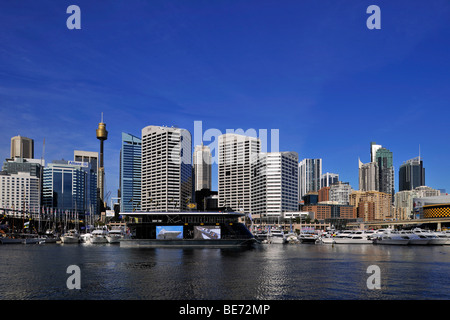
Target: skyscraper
{"x": 202, "y": 167}
{"x": 166, "y": 183}
{"x": 309, "y": 174}
{"x": 373, "y": 151}
{"x": 384, "y": 160}
{"x": 90, "y": 157}
{"x": 20, "y": 191}
{"x": 275, "y": 184}
{"x": 130, "y": 173}
{"x": 327, "y": 179}
{"x": 411, "y": 174}
{"x": 368, "y": 176}
{"x": 22, "y": 147}
{"x": 65, "y": 186}
{"x": 236, "y": 154}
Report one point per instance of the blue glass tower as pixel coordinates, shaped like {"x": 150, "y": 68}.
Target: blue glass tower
{"x": 65, "y": 186}
{"x": 130, "y": 173}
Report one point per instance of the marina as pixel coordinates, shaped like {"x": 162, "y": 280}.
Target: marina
{"x": 272, "y": 272}
{"x": 161, "y": 255}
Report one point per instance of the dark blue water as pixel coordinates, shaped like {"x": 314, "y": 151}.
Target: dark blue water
{"x": 267, "y": 272}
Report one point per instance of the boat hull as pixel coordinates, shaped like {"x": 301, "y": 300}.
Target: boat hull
{"x": 327, "y": 240}
{"x": 186, "y": 243}
{"x": 438, "y": 241}
{"x": 113, "y": 239}
{"x": 352, "y": 241}
{"x": 401, "y": 242}
{"x": 34, "y": 241}
{"x": 10, "y": 241}
{"x": 98, "y": 240}
{"x": 69, "y": 239}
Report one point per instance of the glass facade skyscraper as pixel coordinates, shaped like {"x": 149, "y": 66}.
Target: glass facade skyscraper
{"x": 309, "y": 174}
{"x": 130, "y": 173}
{"x": 384, "y": 159}
{"x": 411, "y": 174}
{"x": 66, "y": 186}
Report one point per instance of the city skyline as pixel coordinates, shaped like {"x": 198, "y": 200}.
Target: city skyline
{"x": 313, "y": 71}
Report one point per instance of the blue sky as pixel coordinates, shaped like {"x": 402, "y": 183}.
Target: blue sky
{"x": 311, "y": 69}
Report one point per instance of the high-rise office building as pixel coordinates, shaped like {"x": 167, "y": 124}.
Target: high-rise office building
{"x": 93, "y": 192}
{"x": 87, "y": 156}
{"x": 327, "y": 179}
{"x": 275, "y": 184}
{"x": 235, "y": 157}
{"x": 202, "y": 167}
{"x": 130, "y": 173}
{"x": 309, "y": 174}
{"x": 66, "y": 186}
{"x": 32, "y": 166}
{"x": 368, "y": 176}
{"x": 20, "y": 191}
{"x": 384, "y": 160}
{"x": 22, "y": 147}
{"x": 373, "y": 151}
{"x": 411, "y": 174}
{"x": 166, "y": 172}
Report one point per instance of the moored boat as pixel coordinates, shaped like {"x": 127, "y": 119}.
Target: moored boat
{"x": 307, "y": 238}
{"x": 98, "y": 236}
{"x": 115, "y": 235}
{"x": 415, "y": 239}
{"x": 353, "y": 237}
{"x": 276, "y": 236}
{"x": 390, "y": 237}
{"x": 10, "y": 239}
{"x": 70, "y": 236}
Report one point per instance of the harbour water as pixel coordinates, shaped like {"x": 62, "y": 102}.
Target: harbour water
{"x": 265, "y": 272}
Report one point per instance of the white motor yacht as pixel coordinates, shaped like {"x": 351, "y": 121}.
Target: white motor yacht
{"x": 98, "y": 236}
{"x": 70, "y": 236}
{"x": 115, "y": 235}
{"x": 442, "y": 237}
{"x": 308, "y": 238}
{"x": 415, "y": 239}
{"x": 276, "y": 236}
{"x": 291, "y": 238}
{"x": 353, "y": 237}
{"x": 446, "y": 233}
{"x": 433, "y": 239}
{"x": 390, "y": 237}
{"x": 85, "y": 237}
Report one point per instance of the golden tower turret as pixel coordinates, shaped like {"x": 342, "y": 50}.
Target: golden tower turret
{"x": 102, "y": 135}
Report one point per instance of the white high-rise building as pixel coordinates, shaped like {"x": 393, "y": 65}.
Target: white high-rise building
{"x": 339, "y": 192}
{"x": 20, "y": 191}
{"x": 275, "y": 184}
{"x": 373, "y": 151}
{"x": 309, "y": 173}
{"x": 236, "y": 154}
{"x": 202, "y": 167}
{"x": 368, "y": 176}
{"x": 166, "y": 169}
{"x": 327, "y": 179}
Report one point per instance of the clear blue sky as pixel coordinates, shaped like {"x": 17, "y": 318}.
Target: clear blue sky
{"x": 309, "y": 68}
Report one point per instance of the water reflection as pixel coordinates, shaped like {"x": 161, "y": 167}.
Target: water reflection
{"x": 266, "y": 272}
